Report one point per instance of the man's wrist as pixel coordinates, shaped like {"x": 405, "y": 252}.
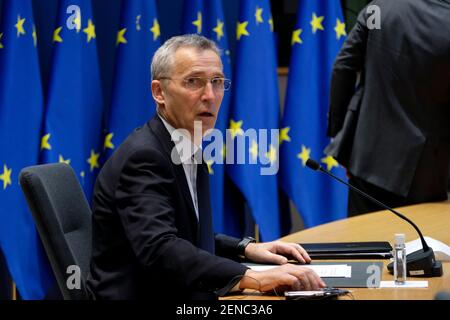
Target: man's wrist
{"x": 243, "y": 244}
{"x": 250, "y": 280}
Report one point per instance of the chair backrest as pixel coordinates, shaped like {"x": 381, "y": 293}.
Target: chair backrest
{"x": 442, "y": 295}
{"x": 63, "y": 220}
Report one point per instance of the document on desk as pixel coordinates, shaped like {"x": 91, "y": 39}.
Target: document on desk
{"x": 407, "y": 284}
{"x": 324, "y": 271}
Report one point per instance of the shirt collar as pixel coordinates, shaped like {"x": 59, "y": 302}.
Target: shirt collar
{"x": 185, "y": 147}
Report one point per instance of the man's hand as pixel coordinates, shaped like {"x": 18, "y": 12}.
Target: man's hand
{"x": 276, "y": 252}
{"x": 282, "y": 278}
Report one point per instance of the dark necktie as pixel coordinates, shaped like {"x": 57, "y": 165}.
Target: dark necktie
{"x": 205, "y": 229}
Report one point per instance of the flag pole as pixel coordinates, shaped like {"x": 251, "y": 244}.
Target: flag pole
{"x": 257, "y": 233}
{"x": 13, "y": 291}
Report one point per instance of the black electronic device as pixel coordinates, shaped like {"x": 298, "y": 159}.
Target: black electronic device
{"x": 349, "y": 250}
{"x": 325, "y": 293}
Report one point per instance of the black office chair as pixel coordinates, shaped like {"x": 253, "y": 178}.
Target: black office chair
{"x": 63, "y": 220}
{"x": 442, "y": 295}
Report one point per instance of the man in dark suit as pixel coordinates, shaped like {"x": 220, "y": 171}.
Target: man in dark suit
{"x": 393, "y": 132}
{"x": 152, "y": 230}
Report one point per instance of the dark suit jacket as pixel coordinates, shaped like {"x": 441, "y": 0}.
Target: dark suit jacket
{"x": 145, "y": 227}
{"x": 394, "y": 131}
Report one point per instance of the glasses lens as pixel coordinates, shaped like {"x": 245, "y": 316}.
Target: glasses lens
{"x": 217, "y": 83}
{"x": 194, "y": 83}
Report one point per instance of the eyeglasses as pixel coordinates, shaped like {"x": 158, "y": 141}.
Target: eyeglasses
{"x": 197, "y": 83}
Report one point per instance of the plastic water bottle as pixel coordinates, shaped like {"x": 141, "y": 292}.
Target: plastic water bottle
{"x": 399, "y": 259}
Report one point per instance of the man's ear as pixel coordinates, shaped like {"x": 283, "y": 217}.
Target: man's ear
{"x": 157, "y": 92}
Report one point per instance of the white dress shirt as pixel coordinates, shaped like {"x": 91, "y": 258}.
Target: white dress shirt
{"x": 188, "y": 161}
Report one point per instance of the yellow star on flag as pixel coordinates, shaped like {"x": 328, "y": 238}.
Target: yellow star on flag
{"x": 82, "y": 174}
{"x": 271, "y": 24}
{"x": 138, "y": 23}
{"x": 219, "y": 29}
{"x": 62, "y": 160}
{"x": 155, "y": 29}
{"x": 34, "y": 34}
{"x": 1, "y": 35}
{"x": 330, "y": 162}
{"x": 108, "y": 141}
{"x": 236, "y": 128}
{"x": 6, "y": 176}
{"x": 77, "y": 22}
{"x": 209, "y": 163}
{"x": 296, "y": 37}
{"x": 241, "y": 29}
{"x": 340, "y": 29}
{"x": 19, "y": 26}
{"x": 254, "y": 150}
{"x": 44, "y": 142}
{"x": 198, "y": 22}
{"x": 258, "y": 15}
{"x": 316, "y": 23}
{"x": 121, "y": 36}
{"x": 56, "y": 36}
{"x": 90, "y": 31}
{"x": 304, "y": 155}
{"x": 223, "y": 151}
{"x": 284, "y": 135}
{"x": 93, "y": 160}
{"x": 272, "y": 154}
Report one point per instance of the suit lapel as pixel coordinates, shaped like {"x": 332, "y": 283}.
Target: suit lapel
{"x": 158, "y": 128}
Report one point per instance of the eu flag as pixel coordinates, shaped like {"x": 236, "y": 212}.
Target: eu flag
{"x": 254, "y": 117}
{"x": 74, "y": 107}
{"x": 193, "y": 15}
{"x": 138, "y": 38}
{"x": 215, "y": 29}
{"x": 207, "y": 18}
{"x": 21, "y": 109}
{"x": 316, "y": 40}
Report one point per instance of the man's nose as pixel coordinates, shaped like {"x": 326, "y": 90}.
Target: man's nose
{"x": 208, "y": 91}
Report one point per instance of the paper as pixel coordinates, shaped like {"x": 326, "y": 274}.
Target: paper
{"x": 354, "y": 255}
{"x": 407, "y": 284}
{"x": 332, "y": 271}
{"x": 324, "y": 271}
{"x": 441, "y": 250}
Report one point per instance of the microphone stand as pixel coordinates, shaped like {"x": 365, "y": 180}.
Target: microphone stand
{"x": 421, "y": 263}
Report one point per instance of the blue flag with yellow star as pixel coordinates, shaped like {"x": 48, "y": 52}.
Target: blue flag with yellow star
{"x": 316, "y": 40}
{"x": 132, "y": 103}
{"x": 193, "y": 16}
{"x": 207, "y": 18}
{"x": 72, "y": 132}
{"x": 21, "y": 109}
{"x": 215, "y": 30}
{"x": 254, "y": 118}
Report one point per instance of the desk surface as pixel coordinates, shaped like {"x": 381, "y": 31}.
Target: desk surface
{"x": 433, "y": 220}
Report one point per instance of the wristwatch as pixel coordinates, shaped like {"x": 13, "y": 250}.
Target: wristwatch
{"x": 243, "y": 244}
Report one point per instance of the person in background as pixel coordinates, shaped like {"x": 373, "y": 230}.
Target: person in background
{"x": 392, "y": 133}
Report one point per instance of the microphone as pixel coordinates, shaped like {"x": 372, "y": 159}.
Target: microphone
{"x": 421, "y": 263}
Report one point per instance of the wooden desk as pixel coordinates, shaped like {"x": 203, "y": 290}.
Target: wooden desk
{"x": 433, "y": 220}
